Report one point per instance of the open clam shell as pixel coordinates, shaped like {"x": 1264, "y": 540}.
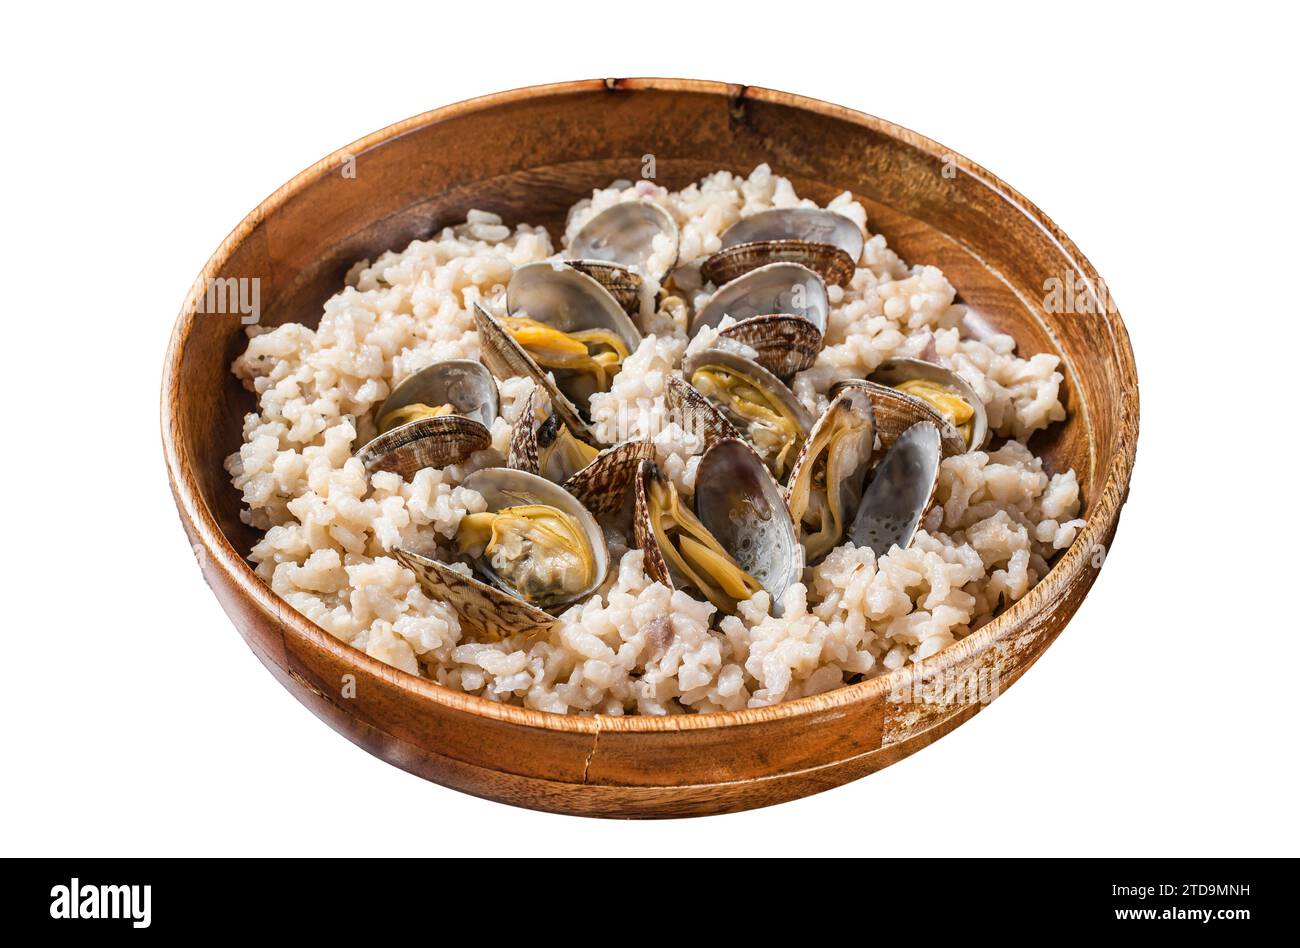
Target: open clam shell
{"x": 637, "y": 235}
{"x": 776, "y": 288}
{"x": 428, "y": 442}
{"x": 406, "y": 447}
{"x": 571, "y": 302}
{"x": 545, "y": 445}
{"x": 463, "y": 384}
{"x": 784, "y": 345}
{"x": 568, "y": 300}
{"x": 485, "y": 611}
{"x": 603, "y": 484}
{"x": 897, "y": 411}
{"x": 741, "y": 505}
{"x": 623, "y": 284}
{"x": 777, "y": 423}
{"x": 821, "y": 240}
{"x": 827, "y": 479}
{"x": 503, "y": 488}
{"x": 901, "y": 491}
{"x": 682, "y": 551}
{"x": 811, "y": 224}
{"x": 695, "y": 413}
{"x": 895, "y": 372}
{"x": 506, "y": 358}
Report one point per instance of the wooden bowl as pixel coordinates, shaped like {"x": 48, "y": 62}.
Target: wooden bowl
{"x": 528, "y": 155}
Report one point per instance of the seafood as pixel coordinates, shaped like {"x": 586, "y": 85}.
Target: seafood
{"x": 737, "y": 540}
{"x": 570, "y": 326}
{"x": 636, "y": 236}
{"x": 780, "y": 312}
{"x": 950, "y": 394}
{"x": 901, "y": 490}
{"x": 896, "y": 411}
{"x": 754, "y": 400}
{"x": 826, "y": 481}
{"x": 821, "y": 240}
{"x": 437, "y": 417}
{"x": 535, "y": 548}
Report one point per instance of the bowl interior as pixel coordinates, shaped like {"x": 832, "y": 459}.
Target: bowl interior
{"x": 530, "y": 155}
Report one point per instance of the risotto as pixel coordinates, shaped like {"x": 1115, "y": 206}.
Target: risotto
{"x": 668, "y": 598}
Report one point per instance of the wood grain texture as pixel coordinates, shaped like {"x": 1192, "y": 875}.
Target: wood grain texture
{"x": 528, "y": 154}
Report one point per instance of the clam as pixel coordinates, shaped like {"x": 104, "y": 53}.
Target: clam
{"x": 826, "y": 481}
{"x": 599, "y": 479}
{"x": 623, "y": 284}
{"x": 788, "y": 288}
{"x": 754, "y": 400}
{"x": 506, "y": 358}
{"x": 781, "y": 312}
{"x": 637, "y": 236}
{"x": 737, "y": 540}
{"x": 569, "y": 325}
{"x": 950, "y": 394}
{"x": 741, "y": 505}
{"x": 896, "y": 411}
{"x": 602, "y": 485}
{"x": 695, "y": 413}
{"x": 901, "y": 490}
{"x": 535, "y": 548}
{"x": 547, "y": 447}
{"x": 436, "y": 417}
{"x": 821, "y": 240}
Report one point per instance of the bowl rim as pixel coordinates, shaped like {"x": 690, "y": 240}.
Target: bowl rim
{"x": 222, "y": 554}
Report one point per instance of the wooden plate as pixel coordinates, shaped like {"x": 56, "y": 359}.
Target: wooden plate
{"x": 528, "y": 155}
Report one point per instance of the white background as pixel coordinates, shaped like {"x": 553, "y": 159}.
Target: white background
{"x": 1163, "y": 721}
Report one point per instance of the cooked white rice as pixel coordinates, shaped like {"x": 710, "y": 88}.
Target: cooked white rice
{"x": 638, "y": 647}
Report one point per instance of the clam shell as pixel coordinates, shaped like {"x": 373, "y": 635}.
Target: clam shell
{"x": 656, "y": 567}
{"x": 784, "y": 345}
{"x": 603, "y": 484}
{"x": 695, "y": 413}
{"x": 893, "y": 372}
{"x": 428, "y": 442}
{"x": 771, "y": 555}
{"x": 506, "y": 359}
{"x": 831, "y": 263}
{"x": 504, "y": 487}
{"x": 623, "y": 284}
{"x": 897, "y": 411}
{"x": 624, "y": 233}
{"x": 851, "y": 406}
{"x": 569, "y": 300}
{"x": 741, "y": 505}
{"x": 901, "y": 491}
{"x": 775, "y": 288}
{"x": 462, "y": 383}
{"x": 809, "y": 224}
{"x": 524, "y": 454}
{"x": 770, "y": 384}
{"x": 484, "y": 610}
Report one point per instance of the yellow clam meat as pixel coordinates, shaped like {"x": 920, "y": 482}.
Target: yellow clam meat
{"x": 692, "y": 551}
{"x": 413, "y": 412}
{"x": 596, "y": 352}
{"x": 539, "y": 551}
{"x": 826, "y": 483}
{"x": 744, "y": 398}
{"x": 945, "y": 401}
